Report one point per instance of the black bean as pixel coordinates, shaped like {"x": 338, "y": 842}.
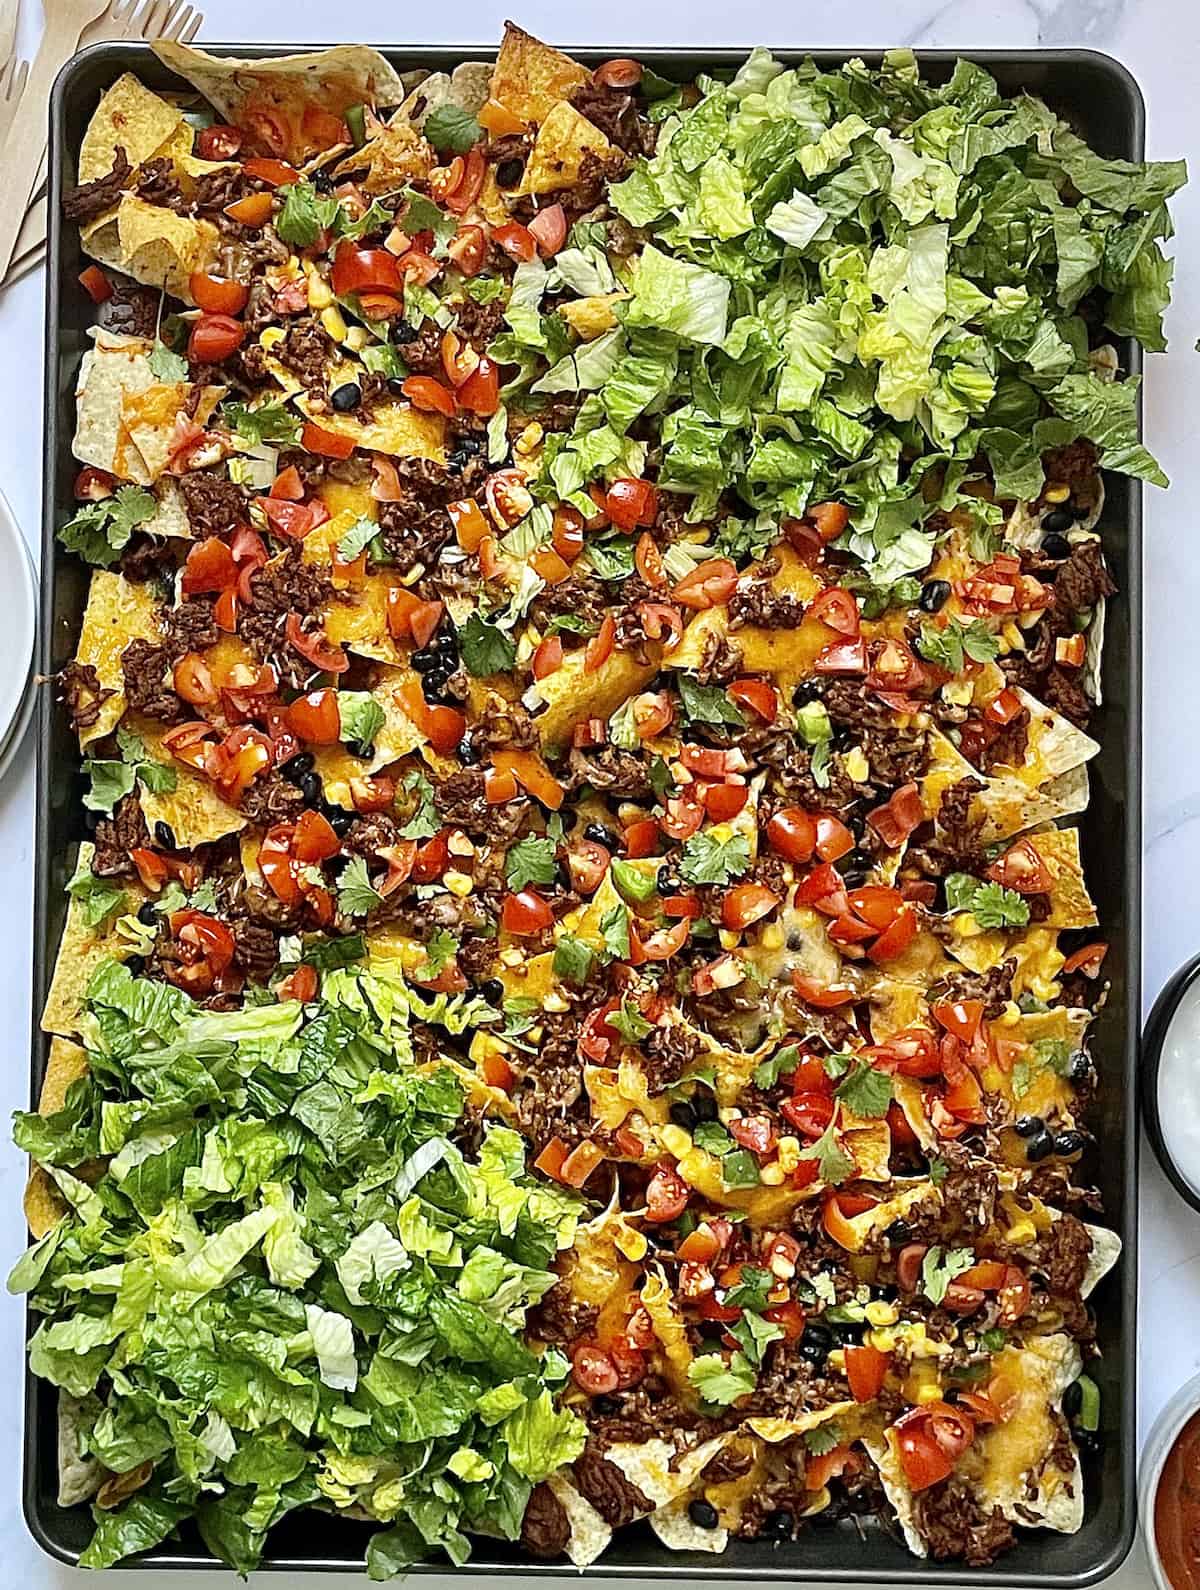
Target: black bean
{"x": 147, "y": 915}
{"x": 363, "y": 749}
{"x": 493, "y": 991}
{"x": 396, "y": 385}
{"x": 1027, "y": 1125}
{"x": 1068, "y": 1143}
{"x": 668, "y": 886}
{"x": 934, "y": 595}
{"x": 509, "y": 172}
{"x": 468, "y": 751}
{"x": 601, "y": 834}
{"x": 606, "y": 1406}
{"x": 899, "y": 1232}
{"x": 1079, "y": 1069}
{"x": 423, "y": 661}
{"x": 683, "y": 1114}
{"x": 808, "y": 690}
{"x": 778, "y": 1525}
{"x": 340, "y": 821}
{"x": 1072, "y": 1399}
{"x": 705, "y": 1107}
{"x": 295, "y": 769}
{"x": 1056, "y": 546}
{"x": 703, "y": 1514}
{"x": 817, "y": 1339}
{"x": 312, "y": 790}
{"x": 1055, "y": 523}
{"x": 1039, "y": 1147}
{"x": 347, "y": 397}
{"x": 1089, "y": 1442}
{"x": 846, "y": 1333}
{"x": 136, "y": 964}
{"x": 165, "y": 834}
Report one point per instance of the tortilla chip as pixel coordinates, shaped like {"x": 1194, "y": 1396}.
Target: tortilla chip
{"x": 1007, "y": 806}
{"x": 571, "y": 694}
{"x": 155, "y": 246}
{"x": 150, "y": 419}
{"x": 591, "y": 317}
{"x": 193, "y": 810}
{"x": 589, "y": 1532}
{"x": 869, "y": 1144}
{"x": 467, "y": 87}
{"x": 398, "y": 737}
{"x": 530, "y": 78}
{"x": 1093, "y": 658}
{"x": 66, "y": 1062}
{"x": 1106, "y": 1250}
{"x": 557, "y": 156}
{"x": 774, "y": 1431}
{"x": 361, "y": 622}
{"x": 131, "y": 117}
{"x": 395, "y": 428}
{"x": 79, "y": 1477}
{"x": 42, "y": 1202}
{"x": 655, "y": 1469}
{"x": 114, "y": 367}
{"x": 394, "y": 157}
{"x": 1011, "y": 1453}
{"x": 1055, "y": 745}
{"x": 669, "y": 1327}
{"x": 82, "y": 949}
{"x": 170, "y": 519}
{"x": 330, "y": 80}
{"x": 1070, "y": 904}
{"x": 118, "y": 611}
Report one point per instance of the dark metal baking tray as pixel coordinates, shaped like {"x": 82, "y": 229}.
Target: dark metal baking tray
{"x": 1102, "y": 102}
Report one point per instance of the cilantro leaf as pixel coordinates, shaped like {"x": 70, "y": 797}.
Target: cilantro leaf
{"x": 707, "y": 859}
{"x": 110, "y": 782}
{"x": 947, "y": 647}
{"x": 361, "y": 534}
{"x": 98, "y": 897}
{"x": 938, "y": 1170}
{"x": 865, "y": 1091}
{"x": 361, "y": 717}
{"x": 439, "y": 952}
{"x": 614, "y": 929}
{"x": 165, "y": 364}
{"x": 781, "y": 1064}
{"x": 822, "y": 1438}
{"x": 100, "y": 530}
{"x": 267, "y": 422}
{"x": 752, "y": 1289}
{"x": 629, "y": 1021}
{"x": 712, "y": 1137}
{"x": 530, "y": 860}
{"x": 573, "y": 960}
{"x": 722, "y": 1383}
{"x": 450, "y": 127}
{"x": 422, "y": 215}
{"x": 305, "y": 214}
{"x": 939, "y": 1268}
{"x": 991, "y": 904}
{"x": 755, "y": 1335}
{"x": 425, "y": 821}
{"x": 740, "y": 1169}
{"x": 485, "y": 648}
{"x": 708, "y": 703}
{"x": 356, "y": 896}
{"x": 833, "y": 1163}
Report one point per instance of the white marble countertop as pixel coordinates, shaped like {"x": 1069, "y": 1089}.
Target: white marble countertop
{"x": 1159, "y": 40}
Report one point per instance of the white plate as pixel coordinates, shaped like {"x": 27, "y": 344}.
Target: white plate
{"x": 18, "y": 627}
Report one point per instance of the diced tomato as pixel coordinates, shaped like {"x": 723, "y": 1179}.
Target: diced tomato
{"x": 315, "y": 718}
{"x": 913, "y": 1052}
{"x": 823, "y": 888}
{"x": 630, "y": 503}
{"x": 666, "y": 1195}
{"x": 550, "y": 1160}
{"x": 847, "y": 930}
{"x": 151, "y": 868}
{"x": 1021, "y": 868}
{"x": 498, "y": 788}
{"x": 302, "y": 985}
{"x": 723, "y": 802}
{"x": 549, "y": 227}
{"x": 374, "y": 794}
{"x": 1003, "y": 708}
{"x": 314, "y": 648}
{"x": 809, "y": 1113}
{"x": 658, "y": 946}
{"x": 682, "y": 817}
{"x": 641, "y": 838}
{"x": 648, "y": 561}
{"x": 834, "y": 839}
{"x": 480, "y": 392}
{"x": 497, "y": 1072}
{"x": 600, "y": 648}
{"x": 653, "y": 713}
{"x": 314, "y": 839}
{"x": 218, "y": 142}
{"x": 758, "y": 696}
{"x": 707, "y": 762}
{"x": 830, "y": 519}
{"x": 897, "y": 818}
{"x": 322, "y": 129}
{"x": 876, "y": 904}
{"x": 895, "y": 667}
{"x": 429, "y": 395}
{"x": 922, "y": 1459}
{"x": 822, "y": 996}
{"x": 708, "y": 585}
{"x": 754, "y": 1132}
{"x": 254, "y": 210}
{"x": 594, "y": 1371}
{"x": 431, "y": 859}
{"x": 215, "y": 337}
{"x": 894, "y": 940}
{"x": 293, "y": 519}
{"x": 587, "y": 862}
{"x": 209, "y": 567}
{"x": 661, "y": 621}
{"x": 836, "y": 1220}
{"x": 95, "y": 284}
{"x": 357, "y": 270}
{"x": 423, "y": 622}
{"x": 470, "y": 526}
{"x": 531, "y": 772}
{"x": 580, "y": 1163}
{"x": 567, "y": 536}
{"x": 1087, "y": 960}
{"x": 275, "y": 173}
{"x": 525, "y": 913}
{"x": 194, "y": 682}
{"x": 620, "y": 73}
{"x": 747, "y": 903}
{"x": 217, "y": 295}
{"x": 548, "y": 657}
{"x": 327, "y": 444}
{"x": 700, "y": 1246}
{"x": 793, "y": 833}
{"x": 517, "y": 241}
{"x": 549, "y": 567}
{"x": 838, "y": 610}
{"x": 790, "y": 1318}
{"x": 960, "y": 1017}
{"x": 93, "y": 485}
{"x": 842, "y": 657}
{"x": 866, "y": 1368}
{"x": 468, "y": 249}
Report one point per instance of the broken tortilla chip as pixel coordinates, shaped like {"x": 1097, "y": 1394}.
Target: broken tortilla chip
{"x": 395, "y": 156}
{"x": 193, "y": 810}
{"x": 131, "y": 117}
{"x": 589, "y": 1533}
{"x": 118, "y": 611}
{"x": 530, "y": 78}
{"x": 557, "y": 156}
{"x": 395, "y": 428}
{"x": 153, "y": 245}
{"x": 80, "y": 952}
{"x": 571, "y": 694}
{"x": 150, "y": 418}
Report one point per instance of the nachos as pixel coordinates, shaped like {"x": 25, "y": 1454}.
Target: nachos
{"x": 574, "y": 1001}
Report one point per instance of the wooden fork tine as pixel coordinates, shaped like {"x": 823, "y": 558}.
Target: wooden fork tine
{"x": 193, "y": 27}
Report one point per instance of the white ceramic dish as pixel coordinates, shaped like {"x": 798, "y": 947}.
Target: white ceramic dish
{"x": 18, "y": 629}
{"x": 1166, "y": 1427}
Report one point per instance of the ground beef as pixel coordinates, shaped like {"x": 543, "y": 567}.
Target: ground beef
{"x": 954, "y": 845}
{"x": 579, "y": 596}
{"x": 423, "y": 353}
{"x": 305, "y": 351}
{"x": 117, "y": 836}
{"x": 670, "y": 1049}
{"x": 256, "y": 950}
{"x": 848, "y": 701}
{"x": 461, "y": 801}
{"x": 894, "y": 757}
{"x": 260, "y": 310}
{"x": 760, "y": 604}
{"x": 1082, "y": 579}
{"x": 792, "y": 782}
{"x": 545, "y": 1528}
{"x": 1063, "y": 1255}
{"x": 80, "y": 689}
{"x": 954, "y": 1524}
{"x": 590, "y": 187}
{"x": 505, "y": 724}
{"x": 624, "y": 240}
{"x": 508, "y": 155}
{"x": 602, "y": 1483}
{"x": 1074, "y": 465}
{"x": 130, "y": 310}
{"x": 146, "y": 558}
{"x": 309, "y": 466}
{"x": 969, "y": 1192}
{"x": 260, "y": 905}
{"x": 271, "y": 798}
{"x": 93, "y": 198}
{"x": 559, "y": 1319}
{"x": 214, "y": 191}
{"x": 477, "y": 957}
{"x": 284, "y": 586}
{"x": 189, "y": 627}
{"x": 215, "y": 506}
{"x": 615, "y": 112}
{"x": 367, "y": 835}
{"x": 993, "y": 987}
{"x": 479, "y": 323}
{"x": 416, "y": 527}
{"x": 1007, "y": 749}
{"x": 145, "y": 667}
{"x": 157, "y": 184}
{"x": 1063, "y": 691}
{"x": 611, "y": 771}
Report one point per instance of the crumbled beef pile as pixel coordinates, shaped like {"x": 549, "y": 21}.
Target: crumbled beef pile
{"x": 894, "y": 758}
{"x": 256, "y": 950}
{"x": 477, "y": 957}
{"x": 271, "y": 798}
{"x": 283, "y": 587}
{"x": 82, "y": 693}
{"x": 1007, "y": 749}
{"x": 545, "y": 1528}
{"x": 579, "y": 596}
{"x": 305, "y": 351}
{"x": 509, "y": 154}
{"x": 1075, "y": 465}
{"x": 215, "y": 506}
{"x": 130, "y": 310}
{"x": 506, "y": 724}
{"x": 93, "y": 198}
{"x": 1082, "y": 579}
{"x": 615, "y": 112}
{"x": 479, "y": 323}
{"x": 157, "y": 184}
{"x": 145, "y": 668}
{"x": 969, "y": 1192}
{"x": 954, "y": 845}
{"x": 146, "y": 558}
{"x": 117, "y": 836}
{"x": 461, "y": 801}
{"x": 616, "y": 1499}
{"x": 953, "y": 1523}
{"x": 761, "y": 605}
{"x": 993, "y": 988}
{"x": 550, "y": 1099}
{"x": 1063, "y": 1254}
{"x": 422, "y": 353}
{"x": 848, "y": 701}
{"x": 791, "y": 779}
{"x": 611, "y": 771}
{"x": 214, "y": 191}
{"x": 261, "y": 906}
{"x": 589, "y": 190}
{"x": 670, "y": 1049}
{"x": 559, "y": 1319}
{"x": 189, "y": 627}
{"x": 416, "y": 526}
{"x": 370, "y": 834}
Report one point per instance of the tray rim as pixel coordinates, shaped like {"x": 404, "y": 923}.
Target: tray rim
{"x": 125, "y": 55}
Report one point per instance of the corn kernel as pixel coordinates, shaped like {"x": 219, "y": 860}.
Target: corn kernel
{"x": 729, "y": 939}
{"x": 357, "y": 338}
{"x": 883, "y": 1341}
{"x": 880, "y": 1313}
{"x": 964, "y": 925}
{"x": 512, "y": 957}
{"x": 837, "y": 1360}
{"x": 789, "y": 1153}
{"x": 856, "y": 765}
{"x": 771, "y": 1175}
{"x": 536, "y": 1034}
{"x": 529, "y": 438}
{"x": 484, "y": 1045}
{"x": 1056, "y": 493}
{"x": 1012, "y": 634}
{"x": 271, "y": 337}
{"x": 676, "y": 1141}
{"x": 459, "y": 883}
{"x": 458, "y": 844}
{"x": 930, "y": 1393}
{"x": 772, "y": 937}
{"x": 333, "y": 323}
{"x": 1021, "y": 1232}
{"x": 320, "y": 294}
{"x": 631, "y": 1243}
{"x": 957, "y": 692}
{"x": 555, "y": 1004}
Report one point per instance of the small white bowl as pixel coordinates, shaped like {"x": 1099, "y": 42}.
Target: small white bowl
{"x": 18, "y": 626}
{"x": 1161, "y": 1439}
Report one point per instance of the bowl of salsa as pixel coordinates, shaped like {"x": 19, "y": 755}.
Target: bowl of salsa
{"x": 1169, "y": 1491}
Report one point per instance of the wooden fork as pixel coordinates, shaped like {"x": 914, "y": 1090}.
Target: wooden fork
{"x": 146, "y": 19}
{"x": 12, "y": 86}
